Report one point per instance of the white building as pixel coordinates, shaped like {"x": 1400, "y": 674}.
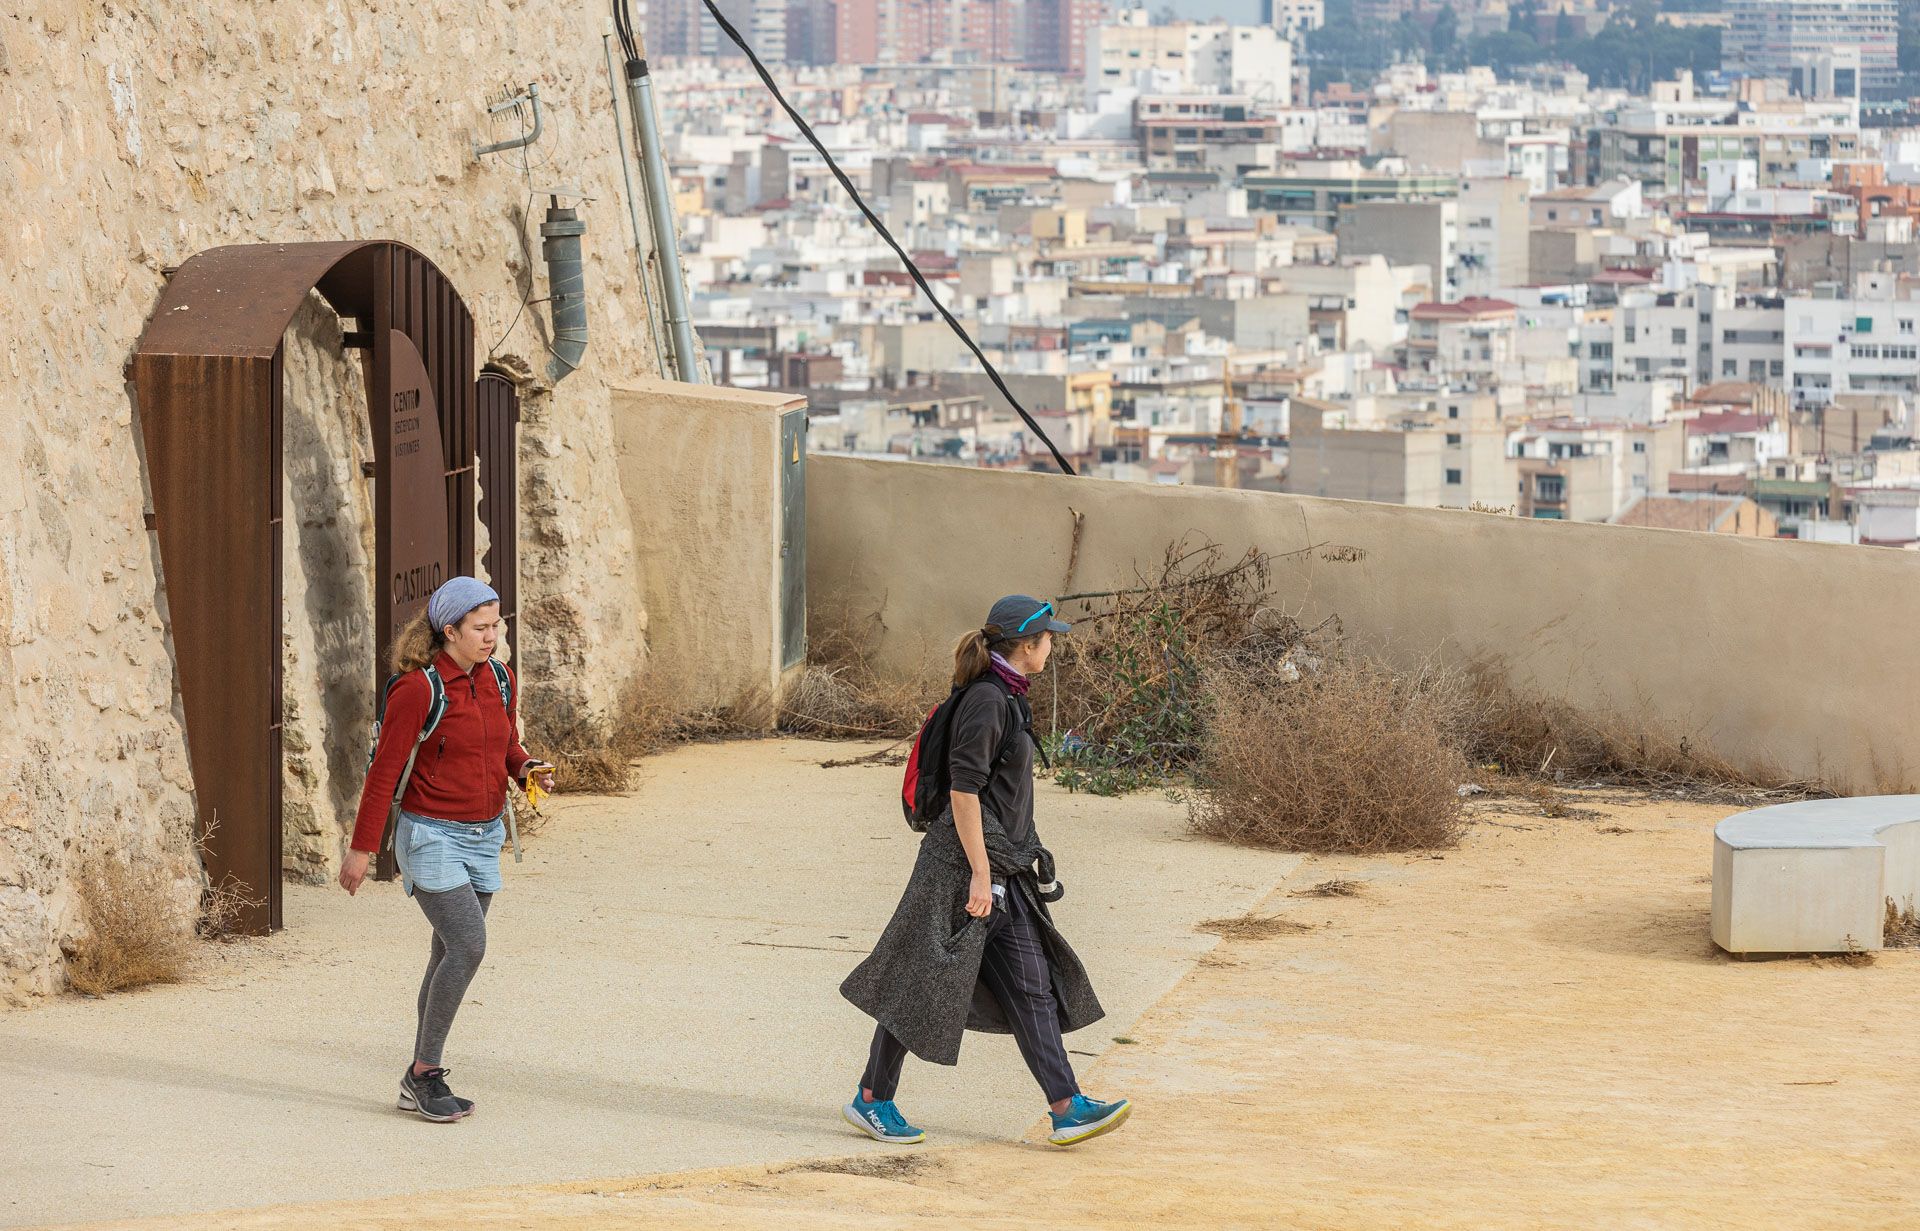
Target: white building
{"x": 1208, "y": 59}
{"x": 1869, "y": 343}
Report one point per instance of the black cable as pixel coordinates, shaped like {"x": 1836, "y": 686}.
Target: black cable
{"x": 920, "y": 280}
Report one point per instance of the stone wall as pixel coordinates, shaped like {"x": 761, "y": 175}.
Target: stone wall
{"x": 133, "y": 137}
{"x": 326, "y": 620}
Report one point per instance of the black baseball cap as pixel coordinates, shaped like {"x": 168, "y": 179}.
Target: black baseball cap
{"x": 1017, "y": 615}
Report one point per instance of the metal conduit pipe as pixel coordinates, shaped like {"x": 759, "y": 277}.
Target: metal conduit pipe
{"x": 566, "y": 288}
{"x": 633, "y": 214}
{"x": 666, "y": 241}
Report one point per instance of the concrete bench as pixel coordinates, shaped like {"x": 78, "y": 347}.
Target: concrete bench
{"x": 1814, "y": 876}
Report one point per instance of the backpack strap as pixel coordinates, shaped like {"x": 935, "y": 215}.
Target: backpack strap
{"x": 1022, "y": 722}
{"x": 436, "y": 710}
{"x": 504, "y": 680}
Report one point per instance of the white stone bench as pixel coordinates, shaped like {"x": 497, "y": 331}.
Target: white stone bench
{"x": 1814, "y": 876}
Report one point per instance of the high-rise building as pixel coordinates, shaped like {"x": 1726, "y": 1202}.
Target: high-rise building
{"x": 856, "y": 32}
{"x": 683, "y": 28}
{"x": 811, "y": 32}
{"x": 1293, "y": 18}
{"x": 1057, "y": 32}
{"x": 987, "y": 31}
{"x": 1788, "y": 39}
{"x": 673, "y": 27}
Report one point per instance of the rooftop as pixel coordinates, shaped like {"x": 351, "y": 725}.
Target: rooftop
{"x": 1682, "y": 511}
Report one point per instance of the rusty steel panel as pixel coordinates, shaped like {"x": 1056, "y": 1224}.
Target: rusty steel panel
{"x": 414, "y": 551}
{"x": 238, "y": 300}
{"x": 497, "y": 405}
{"x": 207, "y": 423}
{"x": 207, "y": 380}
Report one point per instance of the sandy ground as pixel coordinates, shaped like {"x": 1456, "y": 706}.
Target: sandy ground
{"x": 660, "y": 993}
{"x": 1531, "y": 1032}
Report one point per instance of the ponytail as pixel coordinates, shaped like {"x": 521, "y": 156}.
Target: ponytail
{"x": 971, "y": 658}
{"x": 973, "y": 653}
{"x": 415, "y": 645}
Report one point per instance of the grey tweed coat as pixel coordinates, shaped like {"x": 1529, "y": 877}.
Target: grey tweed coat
{"x": 922, "y": 981}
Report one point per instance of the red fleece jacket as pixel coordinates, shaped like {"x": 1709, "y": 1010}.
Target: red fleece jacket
{"x": 462, "y": 771}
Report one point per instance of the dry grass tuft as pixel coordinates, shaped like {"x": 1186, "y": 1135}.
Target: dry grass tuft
{"x": 1334, "y": 889}
{"x": 1350, "y": 757}
{"x": 1854, "y": 956}
{"x": 136, "y": 933}
{"x": 1902, "y": 929}
{"x": 1528, "y": 734}
{"x": 840, "y": 694}
{"x": 596, "y": 756}
{"x": 1550, "y": 802}
{"x": 1254, "y": 927}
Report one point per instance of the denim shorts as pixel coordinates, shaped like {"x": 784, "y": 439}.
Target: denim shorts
{"x": 441, "y": 855}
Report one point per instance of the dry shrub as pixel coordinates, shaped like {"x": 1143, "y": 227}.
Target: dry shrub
{"x": 596, "y": 756}
{"x": 1349, "y": 757}
{"x": 1129, "y": 684}
{"x": 841, "y": 694}
{"x": 1528, "y": 733}
{"x": 1902, "y": 927}
{"x": 136, "y": 933}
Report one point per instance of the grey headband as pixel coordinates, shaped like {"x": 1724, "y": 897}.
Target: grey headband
{"x": 452, "y": 601}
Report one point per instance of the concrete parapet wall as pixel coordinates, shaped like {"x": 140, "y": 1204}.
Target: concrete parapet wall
{"x": 700, "y": 467}
{"x": 1782, "y": 656}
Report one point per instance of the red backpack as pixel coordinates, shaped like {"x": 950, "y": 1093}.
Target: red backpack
{"x": 926, "y": 788}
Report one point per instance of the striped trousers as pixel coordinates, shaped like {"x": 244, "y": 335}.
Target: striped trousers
{"x": 1014, "y": 968}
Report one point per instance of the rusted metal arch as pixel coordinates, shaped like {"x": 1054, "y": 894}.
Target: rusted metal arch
{"x": 207, "y": 381}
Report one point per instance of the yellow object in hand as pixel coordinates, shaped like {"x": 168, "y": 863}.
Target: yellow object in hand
{"x": 534, "y": 791}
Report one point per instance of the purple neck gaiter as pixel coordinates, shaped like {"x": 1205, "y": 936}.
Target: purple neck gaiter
{"x": 1004, "y": 669}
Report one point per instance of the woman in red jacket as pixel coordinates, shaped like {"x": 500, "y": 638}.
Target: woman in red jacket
{"x": 450, "y": 830}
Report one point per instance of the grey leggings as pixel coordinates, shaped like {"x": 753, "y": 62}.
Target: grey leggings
{"x": 459, "y": 919}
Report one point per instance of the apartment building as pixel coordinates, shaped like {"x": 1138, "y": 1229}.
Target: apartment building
{"x": 1672, "y": 140}
{"x": 1786, "y": 38}
{"x": 1579, "y": 470}
{"x": 1304, "y": 198}
{"x": 1447, "y": 450}
{"x": 1491, "y": 246}
{"x": 1468, "y": 341}
{"x": 1866, "y": 343}
{"x": 1407, "y": 233}
{"x": 1293, "y": 18}
{"x": 1252, "y": 60}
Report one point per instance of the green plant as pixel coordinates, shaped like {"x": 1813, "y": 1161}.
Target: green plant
{"x": 1126, "y": 702}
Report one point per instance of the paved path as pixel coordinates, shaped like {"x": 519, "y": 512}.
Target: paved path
{"x": 1532, "y": 1033}
{"x": 659, "y": 994}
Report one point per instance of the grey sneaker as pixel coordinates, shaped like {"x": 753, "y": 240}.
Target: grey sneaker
{"x": 427, "y": 1095}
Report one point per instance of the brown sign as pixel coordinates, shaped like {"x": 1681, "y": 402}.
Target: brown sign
{"x": 416, "y": 471}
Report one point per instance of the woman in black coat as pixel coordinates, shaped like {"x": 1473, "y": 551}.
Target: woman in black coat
{"x": 972, "y": 944}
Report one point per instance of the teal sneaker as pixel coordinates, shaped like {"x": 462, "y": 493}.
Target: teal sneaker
{"x": 882, "y": 1121}
{"x": 1085, "y": 1119}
